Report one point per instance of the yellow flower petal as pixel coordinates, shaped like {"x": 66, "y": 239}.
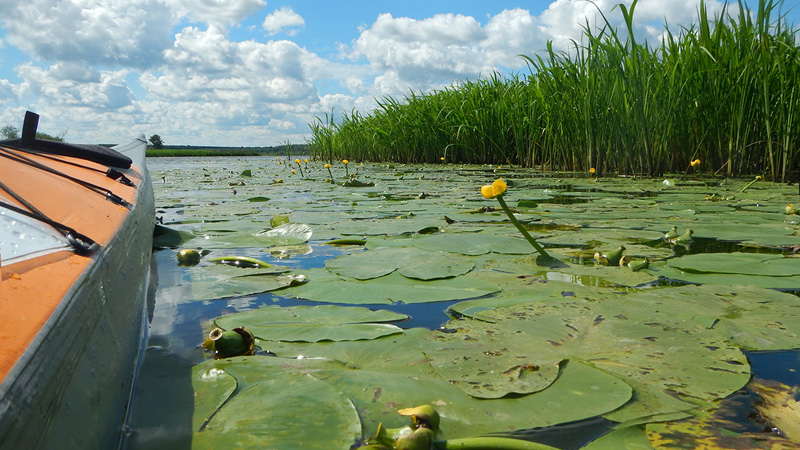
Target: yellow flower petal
{"x": 494, "y": 189}
{"x": 500, "y": 186}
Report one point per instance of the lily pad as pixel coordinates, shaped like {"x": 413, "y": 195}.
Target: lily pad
{"x": 474, "y": 244}
{"x": 217, "y": 281}
{"x": 314, "y": 323}
{"x": 285, "y": 234}
{"x": 274, "y": 408}
{"x": 383, "y": 375}
{"x": 751, "y": 317}
{"x": 738, "y": 263}
{"x": 517, "y": 353}
{"x": 327, "y": 287}
{"x": 411, "y": 261}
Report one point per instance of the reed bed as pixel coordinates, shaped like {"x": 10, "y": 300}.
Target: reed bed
{"x": 725, "y": 91}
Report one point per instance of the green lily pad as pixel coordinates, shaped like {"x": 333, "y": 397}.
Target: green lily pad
{"x": 383, "y": 375}
{"x": 517, "y": 353}
{"x": 411, "y": 261}
{"x": 738, "y": 263}
{"x": 285, "y": 234}
{"x": 271, "y": 409}
{"x": 327, "y": 287}
{"x": 474, "y": 244}
{"x": 763, "y": 281}
{"x": 314, "y": 323}
{"x": 751, "y": 317}
{"x": 217, "y": 281}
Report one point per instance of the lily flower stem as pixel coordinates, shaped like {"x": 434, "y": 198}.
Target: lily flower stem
{"x": 521, "y": 229}
{"x": 748, "y": 185}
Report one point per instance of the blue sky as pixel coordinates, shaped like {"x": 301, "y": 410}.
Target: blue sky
{"x": 256, "y": 72}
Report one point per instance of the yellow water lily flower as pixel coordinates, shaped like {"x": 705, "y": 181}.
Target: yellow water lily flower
{"x": 327, "y": 166}
{"x": 695, "y": 163}
{"x": 344, "y": 161}
{"x": 493, "y": 190}
{"x": 592, "y": 170}
{"x": 297, "y": 161}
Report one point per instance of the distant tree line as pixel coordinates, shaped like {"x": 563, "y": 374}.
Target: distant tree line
{"x": 157, "y": 143}
{"x": 11, "y": 132}
{"x": 296, "y": 149}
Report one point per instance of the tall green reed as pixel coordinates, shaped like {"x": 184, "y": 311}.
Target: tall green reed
{"x": 726, "y": 91}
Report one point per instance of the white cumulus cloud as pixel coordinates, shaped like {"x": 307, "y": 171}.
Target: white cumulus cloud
{"x": 221, "y": 13}
{"x": 128, "y": 33}
{"x": 282, "y": 18}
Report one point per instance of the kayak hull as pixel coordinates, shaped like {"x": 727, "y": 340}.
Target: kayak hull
{"x": 71, "y": 385}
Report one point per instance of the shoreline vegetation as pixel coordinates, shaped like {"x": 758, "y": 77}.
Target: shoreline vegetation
{"x": 195, "y": 151}
{"x": 725, "y": 92}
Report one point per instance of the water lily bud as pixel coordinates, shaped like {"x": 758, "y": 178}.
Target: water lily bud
{"x": 614, "y": 256}
{"x": 420, "y": 439}
{"x": 424, "y": 416}
{"x": 188, "y": 257}
{"x": 229, "y": 343}
{"x": 671, "y": 234}
{"x": 685, "y": 237}
{"x": 601, "y": 258}
{"x": 639, "y": 265}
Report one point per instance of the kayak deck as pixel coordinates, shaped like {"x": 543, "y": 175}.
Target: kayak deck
{"x": 72, "y": 320}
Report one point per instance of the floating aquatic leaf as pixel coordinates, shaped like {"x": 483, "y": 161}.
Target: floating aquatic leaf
{"x": 278, "y": 220}
{"x": 346, "y": 242}
{"x": 517, "y": 353}
{"x": 383, "y": 375}
{"x": 474, "y": 244}
{"x": 763, "y": 281}
{"x": 411, "y": 261}
{"x": 285, "y": 234}
{"x": 751, "y": 317}
{"x": 631, "y": 437}
{"x": 327, "y": 287}
{"x": 314, "y": 323}
{"x": 738, "y": 263}
{"x": 220, "y": 281}
{"x": 274, "y": 408}
{"x": 241, "y": 261}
